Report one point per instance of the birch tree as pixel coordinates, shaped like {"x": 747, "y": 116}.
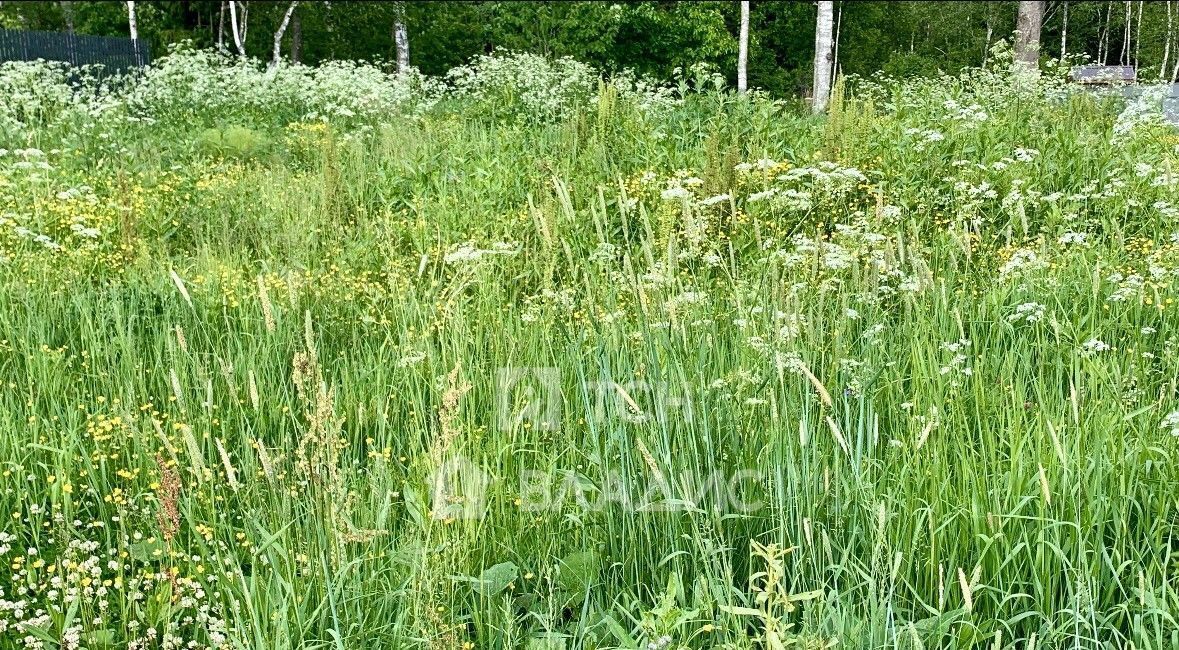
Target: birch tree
{"x": 238, "y": 25}
{"x": 1138, "y": 35}
{"x": 401, "y": 37}
{"x": 296, "y": 38}
{"x": 824, "y": 51}
{"x": 1175, "y": 71}
{"x": 1167, "y": 42}
{"x": 743, "y": 49}
{"x": 134, "y": 26}
{"x": 1124, "y": 59}
{"x": 1064, "y": 33}
{"x": 1103, "y": 38}
{"x": 221, "y": 28}
{"x": 835, "y": 47}
{"x": 1027, "y": 33}
{"x": 131, "y": 19}
{"x": 67, "y": 14}
{"x": 282, "y": 28}
{"x": 986, "y": 44}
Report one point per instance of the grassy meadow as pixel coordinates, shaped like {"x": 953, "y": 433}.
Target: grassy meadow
{"x": 520, "y": 358}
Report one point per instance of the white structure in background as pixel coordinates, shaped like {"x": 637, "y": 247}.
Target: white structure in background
{"x": 824, "y": 55}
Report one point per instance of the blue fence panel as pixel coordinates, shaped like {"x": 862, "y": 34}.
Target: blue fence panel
{"x": 114, "y": 54}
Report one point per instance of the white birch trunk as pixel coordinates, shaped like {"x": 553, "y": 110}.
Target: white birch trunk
{"x": 401, "y": 38}
{"x": 743, "y": 49}
{"x": 134, "y": 25}
{"x": 221, "y": 28}
{"x": 131, "y": 19}
{"x": 986, "y": 45}
{"x": 282, "y": 28}
{"x": 824, "y": 46}
{"x": 1064, "y": 33}
{"x": 1124, "y": 59}
{"x": 1027, "y": 33}
{"x": 835, "y": 46}
{"x": 1175, "y": 70}
{"x": 1103, "y": 41}
{"x": 237, "y": 25}
{"x": 1167, "y": 44}
{"x": 67, "y": 14}
{"x": 1138, "y": 36}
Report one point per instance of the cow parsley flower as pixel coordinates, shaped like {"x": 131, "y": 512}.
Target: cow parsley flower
{"x": 1028, "y": 312}
{"x": 1094, "y": 346}
{"x": 1171, "y": 423}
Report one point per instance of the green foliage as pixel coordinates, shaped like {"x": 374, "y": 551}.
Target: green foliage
{"x": 233, "y": 142}
{"x": 649, "y": 37}
{"x": 905, "y": 375}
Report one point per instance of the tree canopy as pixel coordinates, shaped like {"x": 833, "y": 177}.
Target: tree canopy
{"x": 651, "y": 37}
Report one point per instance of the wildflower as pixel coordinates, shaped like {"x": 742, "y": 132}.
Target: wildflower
{"x": 1022, "y": 260}
{"x": 1171, "y": 422}
{"x": 1028, "y": 312}
{"x": 411, "y": 359}
{"x": 1094, "y": 346}
{"x": 1025, "y": 155}
{"x": 468, "y": 252}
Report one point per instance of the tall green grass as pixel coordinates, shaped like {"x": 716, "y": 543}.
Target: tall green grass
{"x": 282, "y": 333}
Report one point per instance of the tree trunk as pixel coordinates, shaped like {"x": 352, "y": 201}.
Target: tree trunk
{"x": 835, "y": 47}
{"x": 1027, "y": 33}
{"x": 401, "y": 38}
{"x": 1175, "y": 71}
{"x": 67, "y": 13}
{"x": 987, "y": 44}
{"x": 282, "y": 28}
{"x": 1124, "y": 59}
{"x": 1138, "y": 36}
{"x": 824, "y": 45}
{"x": 237, "y": 27}
{"x": 296, "y": 38}
{"x": 743, "y": 49}
{"x": 221, "y": 28}
{"x": 1167, "y": 43}
{"x": 131, "y": 19}
{"x": 134, "y": 26}
{"x": 1103, "y": 40}
{"x": 1064, "y": 33}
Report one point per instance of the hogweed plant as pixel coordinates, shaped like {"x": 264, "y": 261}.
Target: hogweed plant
{"x": 529, "y": 356}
